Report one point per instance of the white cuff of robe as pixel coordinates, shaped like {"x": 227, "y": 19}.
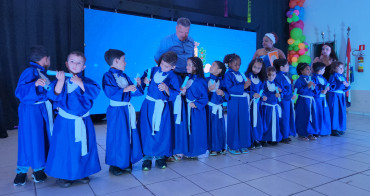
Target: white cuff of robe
{"x": 80, "y": 129}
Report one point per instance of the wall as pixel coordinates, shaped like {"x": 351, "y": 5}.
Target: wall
{"x": 333, "y": 17}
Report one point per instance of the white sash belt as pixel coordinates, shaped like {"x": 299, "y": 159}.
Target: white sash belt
{"x": 312, "y": 102}
{"x": 80, "y": 128}
{"x": 292, "y": 103}
{"x": 216, "y": 108}
{"x": 324, "y": 96}
{"x": 49, "y": 109}
{"x": 274, "y": 117}
{"x": 338, "y": 91}
{"x": 131, "y": 112}
{"x": 177, "y": 109}
{"x": 189, "y": 115}
{"x": 157, "y": 115}
{"x": 255, "y": 108}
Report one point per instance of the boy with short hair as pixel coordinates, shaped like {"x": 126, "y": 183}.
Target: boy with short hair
{"x": 123, "y": 146}
{"x": 34, "y": 123}
{"x": 73, "y": 153}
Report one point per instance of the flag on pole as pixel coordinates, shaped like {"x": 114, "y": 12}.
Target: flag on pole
{"x": 348, "y": 70}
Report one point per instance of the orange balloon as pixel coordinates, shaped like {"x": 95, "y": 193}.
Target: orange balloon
{"x": 290, "y": 41}
{"x": 301, "y": 46}
{"x": 294, "y": 59}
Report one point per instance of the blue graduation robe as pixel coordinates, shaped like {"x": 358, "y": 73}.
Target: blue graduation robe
{"x": 256, "y": 119}
{"x": 216, "y": 130}
{"x": 323, "y": 124}
{"x": 33, "y": 128}
{"x": 287, "y": 120}
{"x": 305, "y": 108}
{"x": 65, "y": 159}
{"x": 158, "y": 143}
{"x": 198, "y": 94}
{"x": 337, "y": 102}
{"x": 271, "y": 112}
{"x": 123, "y": 145}
{"x": 238, "y": 120}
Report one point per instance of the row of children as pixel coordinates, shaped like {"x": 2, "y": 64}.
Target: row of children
{"x": 175, "y": 119}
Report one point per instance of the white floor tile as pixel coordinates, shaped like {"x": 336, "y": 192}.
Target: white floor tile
{"x": 274, "y": 185}
{"x": 212, "y": 180}
{"x": 305, "y": 178}
{"x": 340, "y": 189}
{"x": 272, "y": 166}
{"x": 238, "y": 189}
{"x": 178, "y": 187}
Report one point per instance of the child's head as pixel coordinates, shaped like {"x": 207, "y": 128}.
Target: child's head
{"x": 271, "y": 73}
{"x": 167, "y": 61}
{"x": 269, "y": 40}
{"x": 318, "y": 68}
{"x": 281, "y": 65}
{"x": 233, "y": 61}
{"x": 337, "y": 67}
{"x": 218, "y": 69}
{"x": 76, "y": 62}
{"x": 195, "y": 66}
{"x": 115, "y": 59}
{"x": 327, "y": 50}
{"x": 39, "y": 55}
{"x": 303, "y": 69}
{"x": 257, "y": 67}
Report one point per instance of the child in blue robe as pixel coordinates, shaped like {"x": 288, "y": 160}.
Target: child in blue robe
{"x": 123, "y": 146}
{"x": 323, "y": 124}
{"x": 238, "y": 120}
{"x": 34, "y": 125}
{"x": 155, "y": 114}
{"x": 306, "y": 106}
{"x": 73, "y": 153}
{"x": 336, "y": 99}
{"x": 287, "y": 120}
{"x": 271, "y": 110}
{"x": 180, "y": 133}
{"x": 215, "y": 117}
{"x": 197, "y": 98}
{"x": 257, "y": 73}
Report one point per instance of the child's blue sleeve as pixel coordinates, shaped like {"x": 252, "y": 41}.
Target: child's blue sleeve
{"x": 173, "y": 87}
{"x": 302, "y": 86}
{"x": 112, "y": 90}
{"x": 201, "y": 94}
{"x": 233, "y": 88}
{"x": 92, "y": 89}
{"x": 26, "y": 90}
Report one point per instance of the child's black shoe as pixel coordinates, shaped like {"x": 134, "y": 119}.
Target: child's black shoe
{"x": 161, "y": 163}
{"x": 147, "y": 165}
{"x": 257, "y": 144}
{"x": 84, "y": 180}
{"x": 64, "y": 183}
{"x": 115, "y": 170}
{"x": 39, "y": 176}
{"x": 334, "y": 133}
{"x": 20, "y": 179}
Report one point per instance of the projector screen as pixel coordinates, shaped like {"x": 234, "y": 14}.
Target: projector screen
{"x": 139, "y": 38}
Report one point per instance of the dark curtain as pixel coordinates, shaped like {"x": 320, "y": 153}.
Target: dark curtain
{"x": 58, "y": 25}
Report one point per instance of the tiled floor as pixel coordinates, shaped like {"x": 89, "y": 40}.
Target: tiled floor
{"x": 328, "y": 166}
